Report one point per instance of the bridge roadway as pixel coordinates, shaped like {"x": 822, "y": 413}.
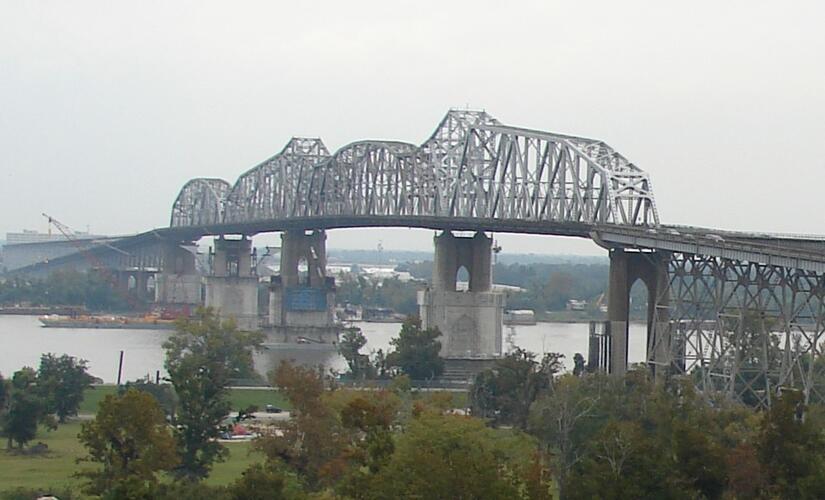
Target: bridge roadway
{"x": 806, "y": 252}
{"x": 472, "y": 174}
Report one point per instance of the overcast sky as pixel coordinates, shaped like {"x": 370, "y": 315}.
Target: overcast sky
{"x": 107, "y": 108}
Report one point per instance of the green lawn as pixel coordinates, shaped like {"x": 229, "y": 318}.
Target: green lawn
{"x": 240, "y": 398}
{"x": 55, "y": 469}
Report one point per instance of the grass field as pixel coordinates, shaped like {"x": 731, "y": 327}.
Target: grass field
{"x": 240, "y": 398}
{"x": 56, "y": 468}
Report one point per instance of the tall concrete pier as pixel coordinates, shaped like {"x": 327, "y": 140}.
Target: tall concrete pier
{"x": 469, "y": 321}
{"x": 301, "y": 306}
{"x": 178, "y": 282}
{"x": 232, "y": 286}
{"x": 625, "y": 268}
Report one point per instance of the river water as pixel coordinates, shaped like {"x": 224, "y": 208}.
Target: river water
{"x": 23, "y": 340}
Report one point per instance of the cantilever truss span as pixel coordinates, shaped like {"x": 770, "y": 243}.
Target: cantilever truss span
{"x": 471, "y": 167}
{"x": 742, "y": 314}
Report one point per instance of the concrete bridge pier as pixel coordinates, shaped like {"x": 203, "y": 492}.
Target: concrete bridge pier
{"x": 302, "y": 297}
{"x": 178, "y": 282}
{"x": 469, "y": 321}
{"x": 134, "y": 282}
{"x": 232, "y": 286}
{"x": 625, "y": 268}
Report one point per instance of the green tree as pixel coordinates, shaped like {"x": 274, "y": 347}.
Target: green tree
{"x": 202, "y": 357}
{"x": 455, "y": 457}
{"x": 129, "y": 437}
{"x": 25, "y": 410}
{"x": 560, "y": 419}
{"x": 578, "y": 365}
{"x": 417, "y": 350}
{"x": 369, "y": 419}
{"x": 259, "y": 482}
{"x": 4, "y": 393}
{"x": 313, "y": 438}
{"x": 163, "y": 393}
{"x": 349, "y": 346}
{"x": 505, "y": 392}
{"x": 62, "y": 382}
{"x": 790, "y": 448}
{"x": 624, "y": 462}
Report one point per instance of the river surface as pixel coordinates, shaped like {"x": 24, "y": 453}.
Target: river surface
{"x": 23, "y": 340}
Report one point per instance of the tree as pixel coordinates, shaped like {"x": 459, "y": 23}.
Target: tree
{"x": 163, "y": 393}
{"x": 259, "y": 482}
{"x": 4, "y": 393}
{"x": 62, "y": 382}
{"x": 129, "y": 437}
{"x": 450, "y": 456}
{"x": 313, "y": 438}
{"x": 417, "y": 350}
{"x": 349, "y": 346}
{"x": 790, "y": 449}
{"x": 505, "y": 392}
{"x": 368, "y": 417}
{"x": 201, "y": 358}
{"x": 578, "y": 365}
{"x": 625, "y": 462}
{"x": 25, "y": 410}
{"x": 556, "y": 419}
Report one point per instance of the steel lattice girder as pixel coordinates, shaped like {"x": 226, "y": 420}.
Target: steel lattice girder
{"x": 471, "y": 167}
{"x": 742, "y": 328}
{"x": 200, "y": 202}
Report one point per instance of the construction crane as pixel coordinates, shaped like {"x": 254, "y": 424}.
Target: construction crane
{"x": 94, "y": 262}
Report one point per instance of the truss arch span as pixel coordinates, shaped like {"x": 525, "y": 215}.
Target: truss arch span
{"x": 200, "y": 203}
{"x": 471, "y": 167}
{"x": 268, "y": 190}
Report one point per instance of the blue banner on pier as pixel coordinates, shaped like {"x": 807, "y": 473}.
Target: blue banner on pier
{"x": 305, "y": 299}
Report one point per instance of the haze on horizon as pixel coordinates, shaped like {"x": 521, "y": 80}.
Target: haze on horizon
{"x": 108, "y": 108}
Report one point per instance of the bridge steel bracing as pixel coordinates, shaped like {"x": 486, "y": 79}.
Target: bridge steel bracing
{"x": 738, "y": 328}
{"x": 744, "y": 329}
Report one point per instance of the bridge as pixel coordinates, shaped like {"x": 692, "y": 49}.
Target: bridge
{"x": 711, "y": 292}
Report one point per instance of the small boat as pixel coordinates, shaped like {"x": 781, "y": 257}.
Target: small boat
{"x": 381, "y": 315}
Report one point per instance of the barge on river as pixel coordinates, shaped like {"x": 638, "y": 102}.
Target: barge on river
{"x": 108, "y": 322}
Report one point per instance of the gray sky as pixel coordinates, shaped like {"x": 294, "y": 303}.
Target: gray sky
{"x": 108, "y": 108}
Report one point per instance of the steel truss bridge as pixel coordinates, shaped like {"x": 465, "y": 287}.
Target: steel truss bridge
{"x": 743, "y": 313}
